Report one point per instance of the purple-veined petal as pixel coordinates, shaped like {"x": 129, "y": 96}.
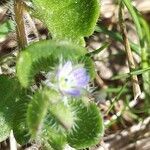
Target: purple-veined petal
{"x": 73, "y": 92}
{"x": 65, "y": 70}
{"x": 79, "y": 77}
{"x": 72, "y": 79}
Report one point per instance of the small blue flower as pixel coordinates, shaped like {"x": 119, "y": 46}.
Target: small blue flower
{"x": 72, "y": 79}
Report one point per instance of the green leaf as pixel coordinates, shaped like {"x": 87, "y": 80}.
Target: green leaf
{"x": 20, "y": 128}
{"x": 70, "y": 20}
{"x": 54, "y": 132}
{"x": 88, "y": 128}
{"x": 53, "y": 138}
{"x": 6, "y": 27}
{"x": 44, "y": 101}
{"x": 43, "y": 56}
{"x": 135, "y": 18}
{"x": 13, "y": 104}
{"x": 54, "y": 123}
{"x": 37, "y": 110}
{"x": 117, "y": 36}
{"x": 48, "y": 118}
{"x": 97, "y": 51}
{"x": 62, "y": 115}
{"x": 4, "y": 121}
{"x": 127, "y": 75}
{"x": 4, "y": 128}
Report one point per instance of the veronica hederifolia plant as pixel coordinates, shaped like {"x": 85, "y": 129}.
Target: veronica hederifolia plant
{"x": 59, "y": 114}
{"x": 54, "y": 113}
{"x": 57, "y": 111}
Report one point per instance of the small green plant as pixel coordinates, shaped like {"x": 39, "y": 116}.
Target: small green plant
{"x": 55, "y": 111}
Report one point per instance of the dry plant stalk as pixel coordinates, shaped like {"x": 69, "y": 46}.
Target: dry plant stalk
{"x": 100, "y": 82}
{"x": 135, "y": 82}
{"x": 19, "y": 9}
{"x": 24, "y": 25}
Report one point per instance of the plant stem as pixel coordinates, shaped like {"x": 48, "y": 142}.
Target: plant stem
{"x": 19, "y": 8}
{"x": 26, "y": 29}
{"x": 135, "y": 82}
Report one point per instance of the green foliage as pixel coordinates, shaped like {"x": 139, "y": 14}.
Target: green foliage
{"x": 52, "y": 138}
{"x": 114, "y": 35}
{"x": 36, "y": 112}
{"x": 48, "y": 118}
{"x": 135, "y": 19}
{"x": 19, "y": 124}
{"x": 4, "y": 122}
{"x": 4, "y": 128}
{"x": 88, "y": 127}
{"x": 43, "y": 56}
{"x": 54, "y": 123}
{"x": 13, "y": 105}
{"x": 143, "y": 31}
{"x": 6, "y": 27}
{"x": 58, "y": 120}
{"x": 70, "y": 20}
{"x": 127, "y": 75}
{"x": 45, "y": 114}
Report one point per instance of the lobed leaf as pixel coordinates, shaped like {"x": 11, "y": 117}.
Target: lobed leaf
{"x": 53, "y": 139}
{"x": 54, "y": 123}
{"x": 13, "y": 103}
{"x": 68, "y": 19}
{"x": 47, "y": 102}
{"x": 43, "y": 56}
{"x": 88, "y": 128}
{"x": 48, "y": 118}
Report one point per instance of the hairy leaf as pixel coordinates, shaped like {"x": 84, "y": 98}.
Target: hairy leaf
{"x": 68, "y": 19}
{"x": 53, "y": 139}
{"x": 37, "y": 111}
{"x": 48, "y": 118}
{"x": 53, "y": 134}
{"x": 88, "y": 127}
{"x": 13, "y": 102}
{"x": 54, "y": 123}
{"x": 4, "y": 121}
{"x": 43, "y": 56}
{"x": 4, "y": 128}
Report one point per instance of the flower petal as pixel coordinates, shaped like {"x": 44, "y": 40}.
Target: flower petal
{"x": 79, "y": 77}
{"x": 72, "y": 79}
{"x": 72, "y": 92}
{"x": 65, "y": 70}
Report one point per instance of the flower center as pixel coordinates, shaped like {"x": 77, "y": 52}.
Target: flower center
{"x": 64, "y": 83}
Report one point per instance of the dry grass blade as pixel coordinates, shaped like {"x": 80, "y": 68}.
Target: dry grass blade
{"x": 135, "y": 82}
